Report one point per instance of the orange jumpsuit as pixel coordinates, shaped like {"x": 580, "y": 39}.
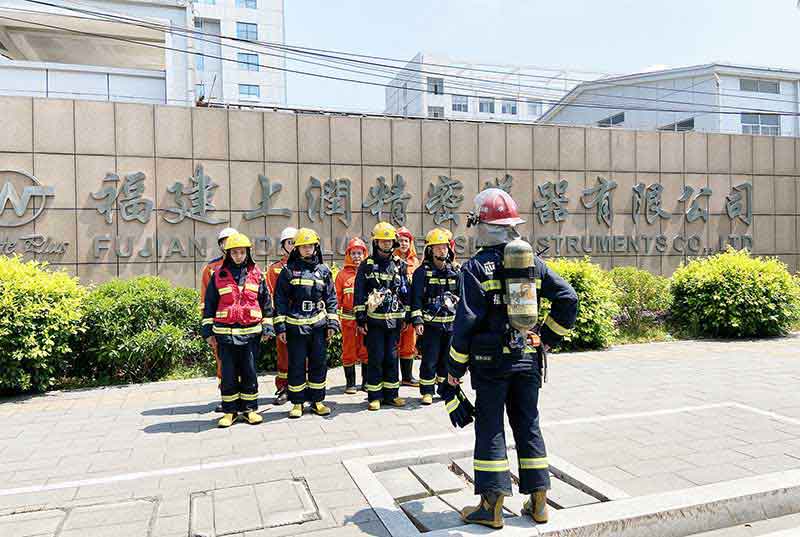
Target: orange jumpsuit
{"x": 407, "y": 347}
{"x": 353, "y": 349}
{"x": 282, "y": 380}
{"x": 208, "y": 271}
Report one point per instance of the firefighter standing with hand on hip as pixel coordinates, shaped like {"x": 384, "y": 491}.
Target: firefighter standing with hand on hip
{"x": 306, "y": 319}
{"x": 381, "y": 298}
{"x": 494, "y": 336}
{"x": 208, "y": 271}
{"x": 353, "y": 349}
{"x": 237, "y": 315}
{"x": 273, "y": 271}
{"x": 434, "y": 296}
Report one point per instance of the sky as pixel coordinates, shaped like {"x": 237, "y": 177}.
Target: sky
{"x": 609, "y": 36}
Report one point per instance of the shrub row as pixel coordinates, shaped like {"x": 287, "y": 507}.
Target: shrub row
{"x": 52, "y": 329}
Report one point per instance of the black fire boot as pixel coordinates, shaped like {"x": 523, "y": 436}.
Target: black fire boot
{"x": 350, "y": 379}
{"x": 407, "y": 372}
{"x": 488, "y": 512}
{"x": 363, "y": 387}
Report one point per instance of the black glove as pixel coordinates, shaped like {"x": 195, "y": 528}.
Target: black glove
{"x": 458, "y": 406}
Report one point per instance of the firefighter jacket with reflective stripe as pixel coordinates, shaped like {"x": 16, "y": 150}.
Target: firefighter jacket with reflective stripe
{"x": 481, "y": 332}
{"x": 345, "y": 282}
{"x": 433, "y": 295}
{"x": 238, "y": 306}
{"x": 385, "y": 280}
{"x": 305, "y": 298}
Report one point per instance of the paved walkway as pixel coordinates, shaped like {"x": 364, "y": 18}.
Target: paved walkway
{"x": 644, "y": 418}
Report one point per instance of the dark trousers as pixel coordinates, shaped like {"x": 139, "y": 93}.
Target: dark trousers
{"x": 518, "y": 392}
{"x": 435, "y": 348}
{"x": 239, "y": 386}
{"x": 307, "y": 348}
{"x": 383, "y": 370}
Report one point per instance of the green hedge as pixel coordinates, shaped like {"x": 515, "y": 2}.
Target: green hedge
{"x": 643, "y": 297}
{"x": 733, "y": 295}
{"x": 55, "y": 332}
{"x": 139, "y": 330}
{"x": 40, "y": 317}
{"x": 597, "y": 306}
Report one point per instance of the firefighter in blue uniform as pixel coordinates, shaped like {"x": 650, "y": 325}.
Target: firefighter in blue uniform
{"x": 434, "y": 295}
{"x": 381, "y": 305}
{"x": 506, "y": 364}
{"x": 306, "y": 319}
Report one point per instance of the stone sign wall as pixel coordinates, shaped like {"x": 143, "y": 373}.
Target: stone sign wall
{"x": 112, "y": 189}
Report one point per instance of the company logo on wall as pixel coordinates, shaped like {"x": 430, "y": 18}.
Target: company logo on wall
{"x": 27, "y": 203}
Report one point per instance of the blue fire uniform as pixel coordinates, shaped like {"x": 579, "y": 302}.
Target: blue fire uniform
{"x": 431, "y": 308}
{"x": 305, "y": 308}
{"x": 505, "y": 374}
{"x": 388, "y": 276}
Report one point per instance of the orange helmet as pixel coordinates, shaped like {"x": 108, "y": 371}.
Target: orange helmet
{"x": 405, "y": 232}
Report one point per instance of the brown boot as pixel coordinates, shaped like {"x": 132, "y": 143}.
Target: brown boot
{"x": 536, "y": 506}
{"x": 488, "y": 512}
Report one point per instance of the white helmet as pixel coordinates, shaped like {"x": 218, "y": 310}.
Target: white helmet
{"x": 288, "y": 233}
{"x": 225, "y": 233}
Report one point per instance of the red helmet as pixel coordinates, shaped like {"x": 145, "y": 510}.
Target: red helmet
{"x": 356, "y": 244}
{"x": 405, "y": 232}
{"x": 496, "y": 206}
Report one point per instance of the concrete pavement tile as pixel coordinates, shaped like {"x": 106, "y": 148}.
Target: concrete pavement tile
{"x": 431, "y": 513}
{"x": 36, "y": 524}
{"x": 653, "y": 484}
{"x": 715, "y": 474}
{"x": 773, "y": 463}
{"x": 437, "y": 478}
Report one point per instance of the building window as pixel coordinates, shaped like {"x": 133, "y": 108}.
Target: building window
{"x": 680, "y": 126}
{"x": 509, "y": 107}
{"x": 247, "y": 62}
{"x": 766, "y": 124}
{"x": 612, "y": 121}
{"x": 760, "y": 86}
{"x": 248, "y": 4}
{"x": 200, "y": 62}
{"x": 247, "y": 30}
{"x": 200, "y": 91}
{"x": 436, "y": 86}
{"x": 436, "y": 111}
{"x": 486, "y": 105}
{"x": 198, "y": 23}
{"x": 209, "y": 2}
{"x": 534, "y": 108}
{"x": 249, "y": 91}
{"x": 460, "y": 103}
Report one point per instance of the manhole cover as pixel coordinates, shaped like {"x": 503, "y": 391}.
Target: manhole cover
{"x": 226, "y": 511}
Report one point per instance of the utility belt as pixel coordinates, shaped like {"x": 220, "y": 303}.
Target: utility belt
{"x": 492, "y": 350}
{"x": 310, "y": 306}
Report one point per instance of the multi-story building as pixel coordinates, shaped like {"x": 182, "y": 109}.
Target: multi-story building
{"x": 143, "y": 50}
{"x": 438, "y": 87}
{"x": 246, "y": 74}
{"x": 708, "y": 98}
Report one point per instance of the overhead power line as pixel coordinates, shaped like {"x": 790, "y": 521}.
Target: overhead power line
{"x": 504, "y": 95}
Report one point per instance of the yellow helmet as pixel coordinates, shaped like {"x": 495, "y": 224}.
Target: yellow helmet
{"x": 383, "y": 231}
{"x": 305, "y": 236}
{"x": 437, "y": 236}
{"x": 237, "y": 240}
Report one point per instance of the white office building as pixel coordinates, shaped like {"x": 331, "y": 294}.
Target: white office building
{"x": 708, "y": 98}
{"x": 440, "y": 87}
{"x": 142, "y": 50}
{"x": 247, "y": 74}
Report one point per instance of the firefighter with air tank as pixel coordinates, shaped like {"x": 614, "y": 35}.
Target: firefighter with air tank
{"x": 496, "y": 337}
